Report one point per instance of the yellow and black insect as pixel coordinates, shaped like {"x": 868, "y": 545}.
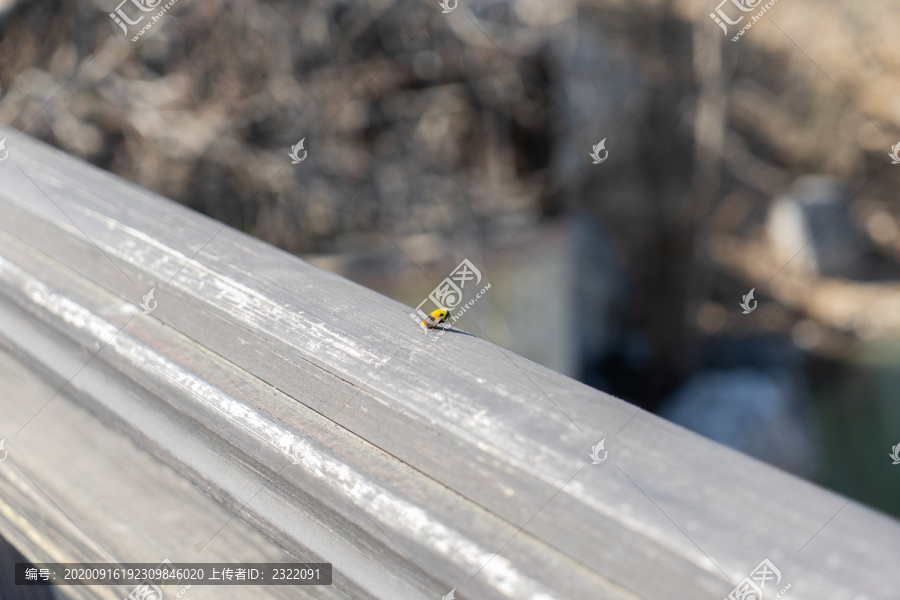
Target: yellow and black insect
{"x": 435, "y": 318}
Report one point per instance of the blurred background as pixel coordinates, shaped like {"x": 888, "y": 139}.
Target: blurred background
{"x": 435, "y": 137}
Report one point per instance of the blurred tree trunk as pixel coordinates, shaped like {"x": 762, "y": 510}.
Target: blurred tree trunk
{"x": 709, "y": 135}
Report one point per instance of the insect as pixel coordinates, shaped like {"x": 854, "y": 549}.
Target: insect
{"x": 435, "y": 318}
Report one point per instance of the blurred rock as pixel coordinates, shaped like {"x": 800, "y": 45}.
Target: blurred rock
{"x": 758, "y": 413}
{"x": 810, "y": 229}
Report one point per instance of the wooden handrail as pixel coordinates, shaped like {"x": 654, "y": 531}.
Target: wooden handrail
{"x": 322, "y": 415}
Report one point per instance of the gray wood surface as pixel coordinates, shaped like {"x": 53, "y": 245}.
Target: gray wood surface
{"x": 423, "y": 464}
{"x": 76, "y": 490}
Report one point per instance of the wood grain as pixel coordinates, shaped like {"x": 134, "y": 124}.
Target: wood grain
{"x": 411, "y": 479}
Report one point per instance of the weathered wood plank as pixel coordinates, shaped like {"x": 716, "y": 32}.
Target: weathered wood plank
{"x": 76, "y": 490}
{"x": 424, "y": 458}
{"x": 374, "y": 476}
